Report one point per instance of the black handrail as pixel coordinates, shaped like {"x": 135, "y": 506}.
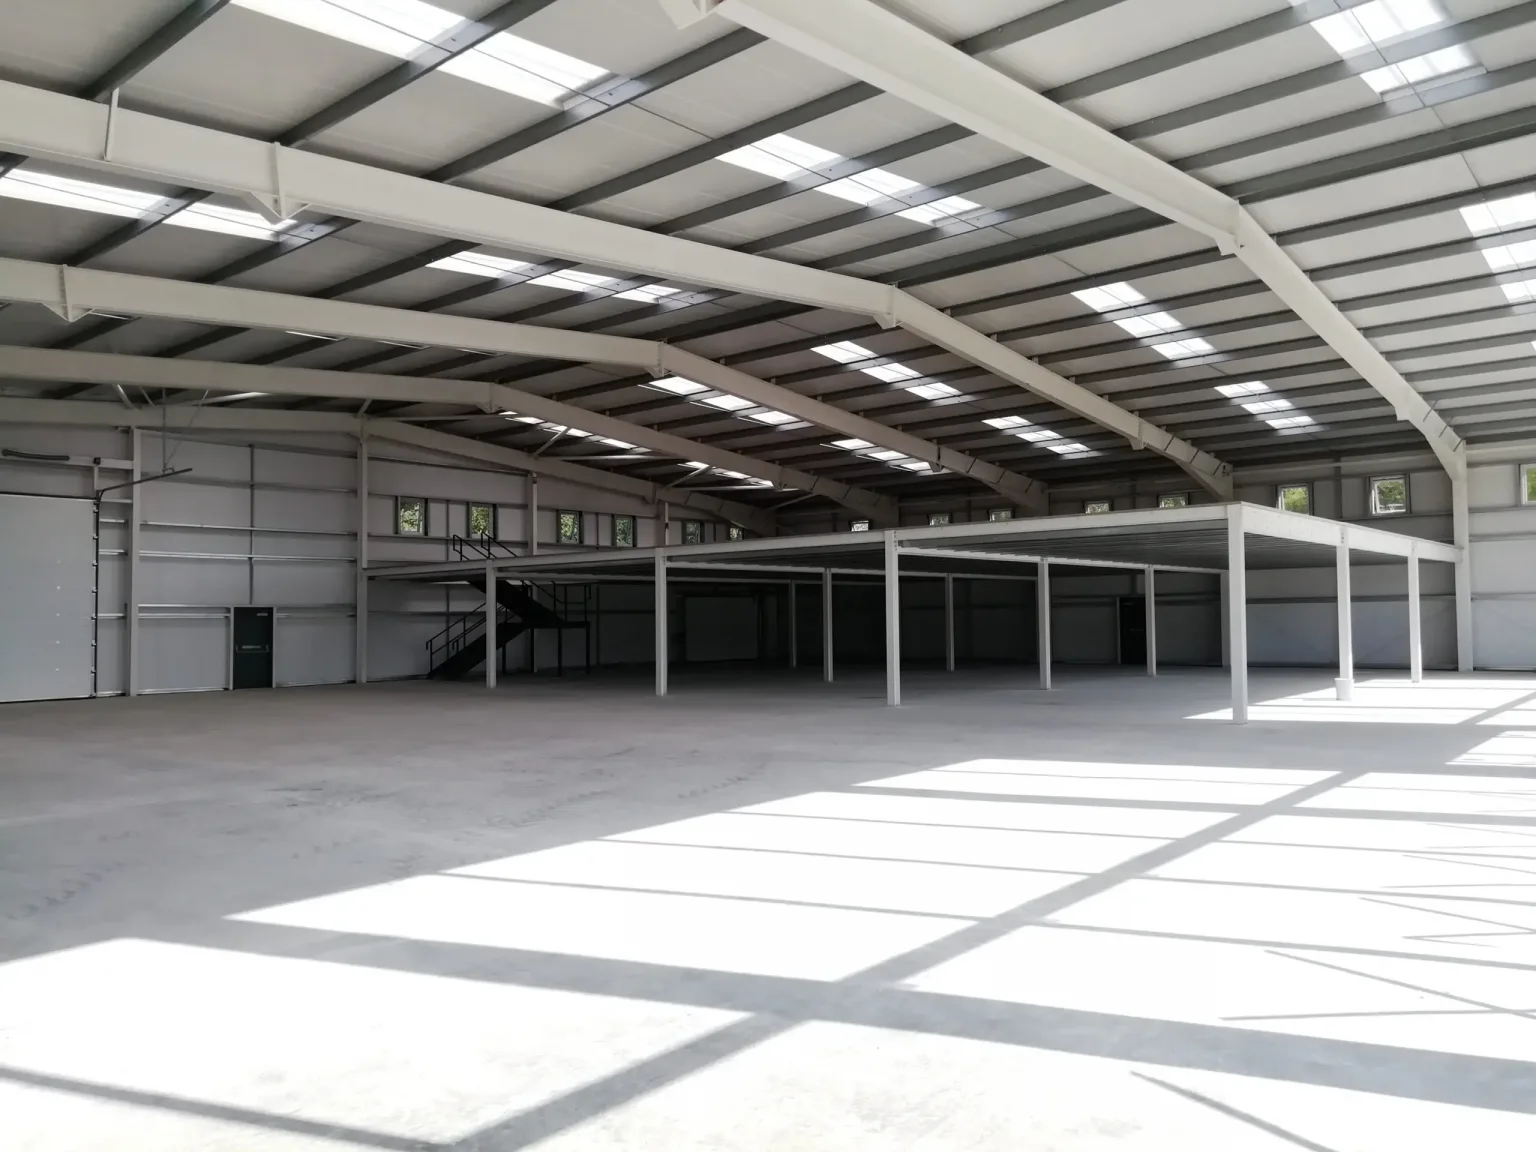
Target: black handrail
{"x": 483, "y": 548}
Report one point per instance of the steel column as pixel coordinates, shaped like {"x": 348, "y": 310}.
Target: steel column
{"x": 794, "y": 637}
{"x": 135, "y": 521}
{"x": 661, "y": 624}
{"x": 826, "y": 625}
{"x": 1462, "y": 532}
{"x": 1344, "y": 686}
{"x": 892, "y": 622}
{"x": 1151, "y": 608}
{"x": 1415, "y": 623}
{"x": 1237, "y": 613}
{"x": 533, "y": 514}
{"x": 949, "y": 623}
{"x": 1043, "y": 621}
{"x": 490, "y": 623}
{"x": 360, "y": 601}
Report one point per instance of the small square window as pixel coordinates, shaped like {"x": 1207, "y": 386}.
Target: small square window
{"x": 693, "y": 531}
{"x": 1294, "y": 498}
{"x": 482, "y": 520}
{"x": 1173, "y": 500}
{"x": 735, "y": 532}
{"x": 410, "y": 516}
{"x": 938, "y": 519}
{"x": 995, "y": 514}
{"x": 1093, "y": 507}
{"x": 569, "y": 527}
{"x": 1389, "y": 495}
{"x": 623, "y": 531}
{"x": 859, "y": 526}
{"x": 1528, "y": 483}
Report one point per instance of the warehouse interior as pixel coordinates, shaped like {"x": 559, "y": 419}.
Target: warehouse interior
{"x": 756, "y": 575}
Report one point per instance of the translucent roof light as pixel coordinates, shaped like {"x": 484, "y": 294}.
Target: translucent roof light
{"x": 1259, "y": 407}
{"x": 89, "y": 196}
{"x": 402, "y": 28}
{"x": 1291, "y": 422}
{"x": 1432, "y": 66}
{"x": 1192, "y": 346}
{"x": 567, "y": 280}
{"x": 1109, "y": 297}
{"x": 1376, "y": 23}
{"x": 844, "y": 352}
{"x": 933, "y": 391}
{"x": 851, "y": 445}
{"x": 1496, "y": 215}
{"x": 1247, "y": 388}
{"x": 1007, "y": 422}
{"x": 678, "y": 386}
{"x": 726, "y": 403}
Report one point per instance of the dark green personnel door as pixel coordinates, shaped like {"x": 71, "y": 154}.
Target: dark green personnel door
{"x": 251, "y": 660}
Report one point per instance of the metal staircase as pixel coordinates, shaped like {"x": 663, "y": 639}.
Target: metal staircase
{"x": 520, "y": 607}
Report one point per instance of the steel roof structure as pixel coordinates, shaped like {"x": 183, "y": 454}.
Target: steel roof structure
{"x": 767, "y": 252}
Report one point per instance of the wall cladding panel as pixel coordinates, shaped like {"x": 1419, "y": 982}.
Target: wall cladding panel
{"x": 183, "y": 655}
{"x": 312, "y": 650}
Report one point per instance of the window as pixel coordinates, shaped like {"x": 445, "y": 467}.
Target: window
{"x": 1092, "y": 507}
{"x": 693, "y": 531}
{"x": 1294, "y": 498}
{"x": 482, "y": 520}
{"x": 1173, "y": 500}
{"x": 937, "y": 519}
{"x": 1389, "y": 495}
{"x": 859, "y": 526}
{"x": 735, "y": 532}
{"x": 1528, "y": 483}
{"x": 410, "y": 516}
{"x": 996, "y": 514}
{"x": 568, "y": 527}
{"x": 623, "y": 531}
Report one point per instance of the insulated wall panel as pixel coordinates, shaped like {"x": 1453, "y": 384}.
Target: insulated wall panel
{"x": 47, "y": 597}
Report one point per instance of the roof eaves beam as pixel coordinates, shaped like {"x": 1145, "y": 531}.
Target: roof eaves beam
{"x": 213, "y": 376}
{"x": 78, "y": 413}
{"x": 865, "y": 41}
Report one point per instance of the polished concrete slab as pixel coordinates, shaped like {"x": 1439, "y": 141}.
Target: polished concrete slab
{"x": 767, "y": 913}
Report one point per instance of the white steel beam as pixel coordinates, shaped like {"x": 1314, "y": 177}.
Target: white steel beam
{"x": 80, "y": 413}
{"x": 872, "y": 44}
{"x": 148, "y": 371}
{"x": 73, "y": 291}
{"x": 136, "y": 144}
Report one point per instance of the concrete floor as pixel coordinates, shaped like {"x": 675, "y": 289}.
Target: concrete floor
{"x": 768, "y": 915}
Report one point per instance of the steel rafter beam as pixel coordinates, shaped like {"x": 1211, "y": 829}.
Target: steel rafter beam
{"x": 84, "y": 413}
{"x": 73, "y": 291}
{"x": 880, "y": 48}
{"x": 211, "y": 376}
{"x": 45, "y": 123}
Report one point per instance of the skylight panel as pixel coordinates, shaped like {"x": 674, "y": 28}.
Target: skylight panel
{"x": 844, "y": 352}
{"x": 1246, "y": 388}
{"x": 914, "y": 465}
{"x": 401, "y": 28}
{"x": 573, "y": 281}
{"x": 1151, "y": 324}
{"x": 1193, "y": 346}
{"x": 1496, "y": 215}
{"x": 1502, "y": 259}
{"x": 1066, "y": 447}
{"x": 727, "y": 403}
{"x": 678, "y": 386}
{"x": 89, "y": 196}
{"x": 1376, "y": 23}
{"x": 1432, "y": 66}
{"x": 886, "y": 454}
{"x": 949, "y": 208}
{"x": 769, "y": 416}
{"x": 612, "y": 443}
{"x": 479, "y": 264}
{"x": 933, "y": 391}
{"x": 1519, "y": 293}
{"x": 852, "y": 445}
{"x": 1258, "y": 407}
{"x": 868, "y": 187}
{"x": 1007, "y": 422}
{"x": 1291, "y": 422}
{"x": 1109, "y": 297}
{"x": 1038, "y": 435}
{"x": 891, "y": 373}
{"x": 648, "y": 293}
{"x": 782, "y": 157}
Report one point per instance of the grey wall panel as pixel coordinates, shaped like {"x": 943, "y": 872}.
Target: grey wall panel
{"x": 173, "y": 580}
{"x": 111, "y": 655}
{"x": 47, "y": 609}
{"x": 312, "y": 650}
{"x": 1504, "y": 633}
{"x": 308, "y": 468}
{"x": 330, "y": 511}
{"x": 1295, "y": 633}
{"x": 224, "y": 541}
{"x": 296, "y": 583}
{"x": 180, "y": 502}
{"x": 1084, "y": 633}
{"x": 396, "y": 645}
{"x": 183, "y": 655}
{"x": 1189, "y": 633}
{"x": 719, "y": 628}
{"x": 208, "y": 461}
{"x": 1500, "y": 566}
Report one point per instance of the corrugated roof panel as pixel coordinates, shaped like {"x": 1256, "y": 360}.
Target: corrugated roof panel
{"x": 69, "y": 45}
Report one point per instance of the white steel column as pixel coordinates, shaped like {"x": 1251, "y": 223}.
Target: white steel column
{"x": 1225, "y": 611}
{"x": 1151, "y": 598}
{"x": 892, "y": 621}
{"x": 135, "y": 518}
{"x": 360, "y": 600}
{"x": 1415, "y": 621}
{"x": 664, "y": 526}
{"x": 533, "y": 514}
{"x": 794, "y": 631}
{"x": 1237, "y": 613}
{"x": 1462, "y": 532}
{"x": 949, "y": 623}
{"x": 826, "y": 625}
{"x": 491, "y": 651}
{"x": 1043, "y": 621}
{"x": 661, "y": 624}
{"x": 1344, "y": 686}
